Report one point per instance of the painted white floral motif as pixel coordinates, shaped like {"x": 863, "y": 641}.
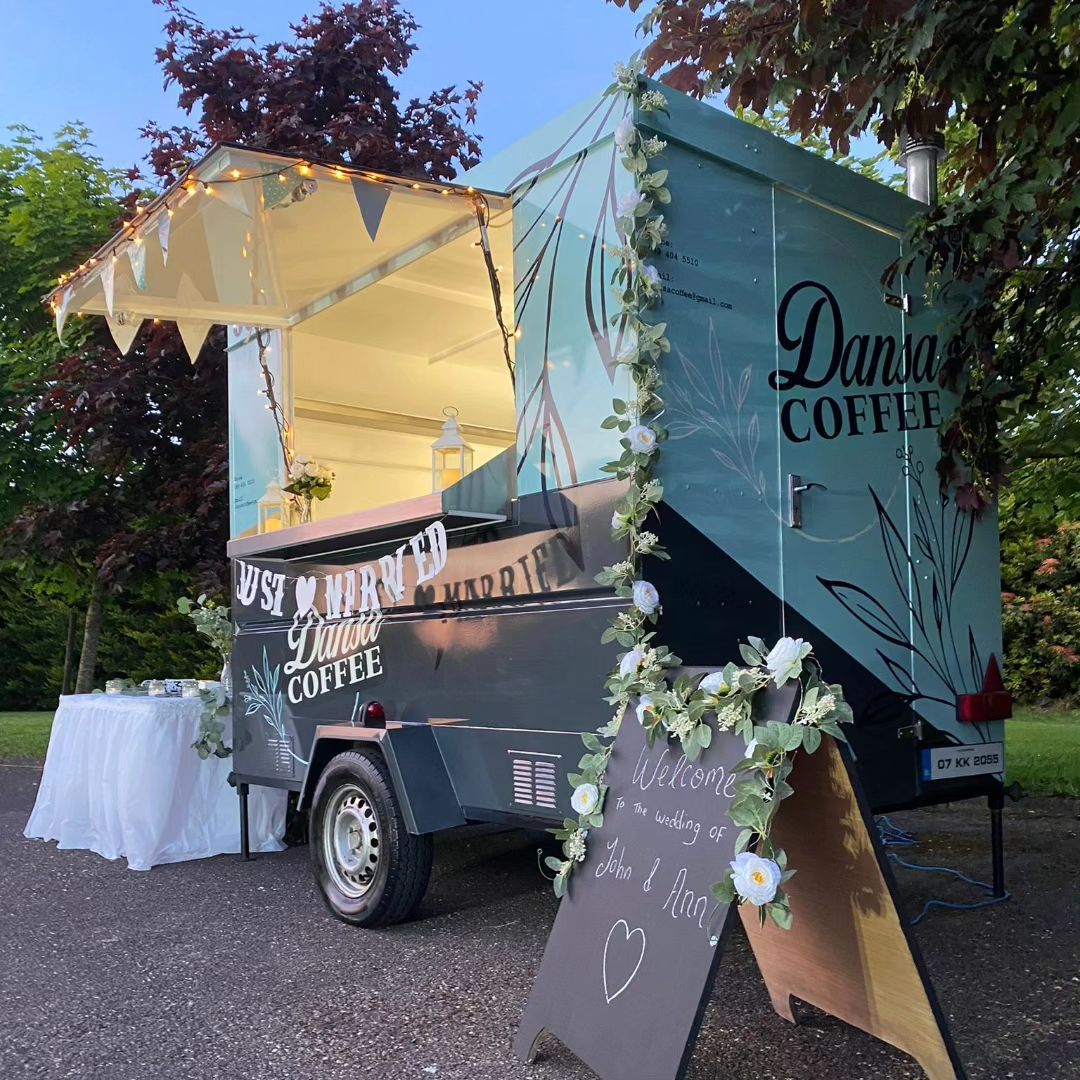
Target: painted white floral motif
{"x": 263, "y": 697}
{"x": 708, "y": 399}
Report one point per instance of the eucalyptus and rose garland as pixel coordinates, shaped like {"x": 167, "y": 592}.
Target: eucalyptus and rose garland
{"x": 680, "y": 709}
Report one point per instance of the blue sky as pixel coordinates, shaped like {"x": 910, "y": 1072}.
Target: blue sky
{"x": 63, "y": 60}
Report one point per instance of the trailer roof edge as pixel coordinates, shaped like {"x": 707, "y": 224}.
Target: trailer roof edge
{"x": 724, "y": 137}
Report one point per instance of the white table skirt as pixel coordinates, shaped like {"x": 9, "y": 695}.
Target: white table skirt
{"x": 121, "y": 779}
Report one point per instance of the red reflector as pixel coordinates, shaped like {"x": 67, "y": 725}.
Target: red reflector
{"x": 994, "y": 702}
{"x": 979, "y": 708}
{"x": 375, "y": 714}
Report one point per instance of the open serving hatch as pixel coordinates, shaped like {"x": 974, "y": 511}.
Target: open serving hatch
{"x": 373, "y": 303}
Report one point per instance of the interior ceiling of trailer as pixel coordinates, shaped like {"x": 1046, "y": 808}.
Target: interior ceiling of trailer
{"x": 233, "y": 257}
{"x": 439, "y": 307}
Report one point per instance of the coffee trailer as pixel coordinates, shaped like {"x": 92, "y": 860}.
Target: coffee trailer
{"x": 426, "y": 652}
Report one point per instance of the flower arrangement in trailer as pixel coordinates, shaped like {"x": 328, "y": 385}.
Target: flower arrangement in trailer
{"x": 680, "y": 708}
{"x": 308, "y": 480}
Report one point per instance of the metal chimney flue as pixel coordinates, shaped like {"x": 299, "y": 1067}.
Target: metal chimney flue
{"x": 920, "y": 155}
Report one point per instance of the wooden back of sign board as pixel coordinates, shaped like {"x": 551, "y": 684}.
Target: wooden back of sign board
{"x": 614, "y": 942}
{"x": 848, "y": 952}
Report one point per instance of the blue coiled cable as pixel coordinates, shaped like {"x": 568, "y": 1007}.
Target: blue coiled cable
{"x": 892, "y": 836}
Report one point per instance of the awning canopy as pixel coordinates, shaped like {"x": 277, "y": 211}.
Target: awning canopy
{"x": 258, "y": 238}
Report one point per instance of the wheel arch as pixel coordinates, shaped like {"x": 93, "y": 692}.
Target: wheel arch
{"x": 417, "y": 770}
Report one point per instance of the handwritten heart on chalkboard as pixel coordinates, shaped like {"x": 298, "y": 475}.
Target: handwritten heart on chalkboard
{"x": 305, "y": 594}
{"x": 619, "y": 956}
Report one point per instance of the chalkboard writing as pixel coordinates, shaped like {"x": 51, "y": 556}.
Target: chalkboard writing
{"x": 633, "y": 951}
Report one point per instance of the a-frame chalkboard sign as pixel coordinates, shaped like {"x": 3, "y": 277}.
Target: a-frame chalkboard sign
{"x": 630, "y": 962}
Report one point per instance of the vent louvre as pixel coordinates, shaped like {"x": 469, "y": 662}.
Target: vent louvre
{"x": 535, "y": 781}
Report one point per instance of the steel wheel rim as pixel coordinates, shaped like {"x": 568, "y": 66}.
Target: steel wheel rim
{"x": 351, "y": 841}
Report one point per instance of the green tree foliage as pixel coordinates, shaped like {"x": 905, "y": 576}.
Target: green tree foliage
{"x": 1001, "y": 76}
{"x": 114, "y": 470}
{"x": 58, "y": 201}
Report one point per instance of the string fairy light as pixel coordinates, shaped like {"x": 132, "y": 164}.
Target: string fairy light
{"x": 189, "y": 184}
{"x": 483, "y": 216}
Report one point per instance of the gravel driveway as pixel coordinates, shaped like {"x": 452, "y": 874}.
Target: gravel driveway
{"x": 221, "y": 969}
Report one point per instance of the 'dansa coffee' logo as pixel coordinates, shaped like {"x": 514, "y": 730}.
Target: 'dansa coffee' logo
{"x": 810, "y": 325}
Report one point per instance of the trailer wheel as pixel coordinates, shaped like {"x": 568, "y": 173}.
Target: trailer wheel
{"x": 371, "y": 870}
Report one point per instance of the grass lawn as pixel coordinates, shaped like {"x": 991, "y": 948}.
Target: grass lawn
{"x": 24, "y": 734}
{"x": 1042, "y": 750}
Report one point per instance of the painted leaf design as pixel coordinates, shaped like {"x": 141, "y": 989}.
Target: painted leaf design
{"x": 869, "y": 611}
{"x": 976, "y": 663}
{"x": 681, "y": 429}
{"x": 744, "y": 387}
{"x": 962, "y": 543}
{"x": 900, "y": 673}
{"x": 899, "y": 559}
{"x": 752, "y": 436}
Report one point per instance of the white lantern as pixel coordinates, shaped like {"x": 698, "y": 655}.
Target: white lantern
{"x": 451, "y": 455}
{"x": 272, "y": 508}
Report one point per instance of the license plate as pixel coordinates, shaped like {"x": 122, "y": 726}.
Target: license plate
{"x": 943, "y": 762}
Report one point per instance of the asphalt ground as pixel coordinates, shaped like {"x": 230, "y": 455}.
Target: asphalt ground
{"x": 224, "y": 969}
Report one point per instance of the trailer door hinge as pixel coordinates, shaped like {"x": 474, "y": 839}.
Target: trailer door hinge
{"x": 910, "y": 731}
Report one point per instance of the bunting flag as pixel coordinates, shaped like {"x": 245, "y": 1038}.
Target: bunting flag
{"x": 239, "y": 196}
{"x": 61, "y": 312}
{"x": 108, "y": 281}
{"x": 164, "y": 225}
{"x": 193, "y": 333}
{"x": 123, "y": 328}
{"x": 278, "y": 188}
{"x": 136, "y": 252}
{"x": 371, "y": 198}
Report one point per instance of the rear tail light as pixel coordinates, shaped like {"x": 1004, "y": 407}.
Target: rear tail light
{"x": 373, "y": 715}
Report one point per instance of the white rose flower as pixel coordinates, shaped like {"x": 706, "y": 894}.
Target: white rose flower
{"x": 651, "y": 274}
{"x": 628, "y": 204}
{"x": 617, "y": 520}
{"x": 624, "y": 133}
{"x": 301, "y": 459}
{"x": 585, "y": 798}
{"x": 644, "y": 705}
{"x": 751, "y": 746}
{"x": 311, "y": 469}
{"x": 642, "y": 439}
{"x": 714, "y": 684}
{"x": 628, "y": 353}
{"x": 755, "y": 879}
{"x": 631, "y": 661}
{"x": 646, "y": 598}
{"x": 785, "y": 659}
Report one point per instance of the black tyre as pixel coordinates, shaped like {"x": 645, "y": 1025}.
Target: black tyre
{"x": 371, "y": 870}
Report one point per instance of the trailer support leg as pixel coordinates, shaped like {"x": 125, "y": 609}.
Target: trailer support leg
{"x": 245, "y": 834}
{"x": 996, "y": 801}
